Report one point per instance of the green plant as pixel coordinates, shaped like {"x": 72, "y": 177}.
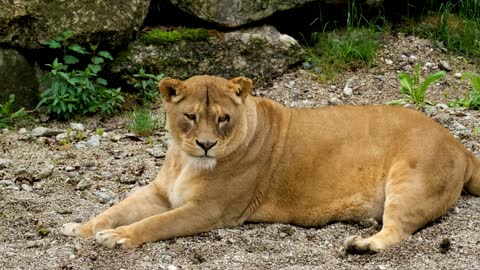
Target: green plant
{"x": 161, "y": 37}
{"x": 73, "y": 91}
{"x": 144, "y": 122}
{"x": 413, "y": 89}
{"x": 472, "y": 101}
{"x": 6, "y": 116}
{"x": 99, "y": 132}
{"x": 147, "y": 84}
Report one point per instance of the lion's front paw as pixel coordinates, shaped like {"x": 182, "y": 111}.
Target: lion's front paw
{"x": 360, "y": 245}
{"x": 116, "y": 237}
{"x": 69, "y": 229}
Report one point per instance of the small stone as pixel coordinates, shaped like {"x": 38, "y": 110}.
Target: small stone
{"x": 441, "y": 106}
{"x": 94, "y": 141}
{"x": 83, "y": 184}
{"x": 388, "y": 62}
{"x": 5, "y": 131}
{"x": 457, "y": 75}
{"x": 89, "y": 164}
{"x": 348, "y": 91}
{"x": 5, "y": 163}
{"x": 444, "y": 65}
{"x": 172, "y": 267}
{"x": 283, "y": 235}
{"x": 37, "y": 243}
{"x": 21, "y": 171}
{"x": 45, "y": 172}
{"x": 156, "y": 152}
{"x": 64, "y": 210}
{"x": 106, "y": 175}
{"x": 22, "y": 131}
{"x": 69, "y": 169}
{"x": 6, "y": 183}
{"x": 61, "y": 136}
{"x": 335, "y": 101}
{"x": 46, "y": 132}
{"x": 412, "y": 58}
{"x": 428, "y": 65}
{"x": 167, "y": 259}
{"x": 128, "y": 179}
{"x": 77, "y": 126}
{"x": 38, "y": 185}
{"x": 306, "y": 65}
{"x": 382, "y": 267}
{"x": 103, "y": 195}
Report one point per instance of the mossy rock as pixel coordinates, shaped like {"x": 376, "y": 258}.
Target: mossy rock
{"x": 160, "y": 37}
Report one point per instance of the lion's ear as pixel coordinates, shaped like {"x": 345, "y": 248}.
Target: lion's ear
{"x": 170, "y": 89}
{"x": 243, "y": 86}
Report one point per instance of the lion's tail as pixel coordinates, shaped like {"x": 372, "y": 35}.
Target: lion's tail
{"x": 472, "y": 185}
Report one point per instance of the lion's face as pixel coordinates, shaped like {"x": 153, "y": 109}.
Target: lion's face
{"x": 206, "y": 116}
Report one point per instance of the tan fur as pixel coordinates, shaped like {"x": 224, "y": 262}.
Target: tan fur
{"x": 306, "y": 167}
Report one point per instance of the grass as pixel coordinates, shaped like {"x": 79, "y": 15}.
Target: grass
{"x": 472, "y": 101}
{"x": 144, "y": 122}
{"x": 455, "y": 24}
{"x": 9, "y": 117}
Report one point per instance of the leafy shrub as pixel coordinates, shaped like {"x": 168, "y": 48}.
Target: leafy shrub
{"x": 6, "y": 116}
{"x": 74, "y": 91}
{"x": 147, "y": 84}
{"x": 161, "y": 37}
{"x": 472, "y": 101}
{"x": 413, "y": 89}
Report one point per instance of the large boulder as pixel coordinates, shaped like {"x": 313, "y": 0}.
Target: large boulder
{"x": 25, "y": 23}
{"x": 234, "y": 13}
{"x": 261, "y": 53}
{"x": 17, "y": 76}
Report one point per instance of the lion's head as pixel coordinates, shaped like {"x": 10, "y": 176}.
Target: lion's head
{"x": 206, "y": 116}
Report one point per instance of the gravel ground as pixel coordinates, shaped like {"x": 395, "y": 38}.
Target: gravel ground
{"x": 44, "y": 183}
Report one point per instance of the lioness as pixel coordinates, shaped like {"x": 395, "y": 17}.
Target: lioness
{"x": 237, "y": 158}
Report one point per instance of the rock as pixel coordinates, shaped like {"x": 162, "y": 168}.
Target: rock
{"x": 37, "y": 243}
{"x": 428, "y": 65}
{"x": 26, "y": 187}
{"x": 94, "y": 141}
{"x": 45, "y": 172}
{"x": 444, "y": 65}
{"x": 166, "y": 259}
{"x": 382, "y": 267}
{"x": 262, "y": 53}
{"x": 18, "y": 77}
{"x": 283, "y": 235}
{"x": 77, "y": 126}
{"x": 335, "y": 101}
{"x": 388, "y": 62}
{"x": 172, "y": 267}
{"x": 83, "y": 184}
{"x": 103, "y": 195}
{"x": 25, "y": 23}
{"x": 46, "y": 132}
{"x": 128, "y": 179}
{"x": 234, "y": 13}
{"x": 69, "y": 169}
{"x": 347, "y": 90}
{"x": 441, "y": 106}
{"x": 4, "y": 163}
{"x": 64, "y": 210}
{"x": 22, "y": 131}
{"x": 457, "y": 75}
{"x": 60, "y": 137}
{"x": 106, "y": 175}
{"x": 6, "y": 183}
{"x": 156, "y": 152}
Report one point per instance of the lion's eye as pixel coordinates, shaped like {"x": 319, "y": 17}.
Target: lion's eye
{"x": 224, "y": 118}
{"x": 190, "y": 116}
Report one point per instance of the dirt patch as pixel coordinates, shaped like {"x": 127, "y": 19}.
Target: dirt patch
{"x": 44, "y": 184}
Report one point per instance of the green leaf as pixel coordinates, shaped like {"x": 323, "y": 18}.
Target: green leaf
{"x": 77, "y": 48}
{"x": 97, "y": 60}
{"x": 70, "y": 59}
{"x": 52, "y": 44}
{"x": 67, "y": 34}
{"x": 93, "y": 47}
{"x": 105, "y": 54}
{"x": 431, "y": 79}
{"x": 102, "y": 81}
{"x": 94, "y": 68}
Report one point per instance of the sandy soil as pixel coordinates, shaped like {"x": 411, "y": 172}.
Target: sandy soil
{"x": 44, "y": 184}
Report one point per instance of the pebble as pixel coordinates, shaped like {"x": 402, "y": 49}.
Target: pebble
{"x": 26, "y": 187}
{"x": 106, "y": 175}
{"x": 382, "y": 267}
{"x": 94, "y": 141}
{"x": 444, "y": 65}
{"x": 6, "y": 183}
{"x": 61, "y": 136}
{"x": 37, "y": 243}
{"x": 83, "y": 184}
{"x": 128, "y": 179}
{"x": 5, "y": 163}
{"x": 412, "y": 58}
{"x": 441, "y": 106}
{"x": 77, "y": 126}
{"x": 103, "y": 195}
{"x": 64, "y": 210}
{"x": 457, "y": 75}
{"x": 335, "y": 101}
{"x": 172, "y": 267}
{"x": 46, "y": 132}
{"x": 167, "y": 259}
{"x": 283, "y": 235}
{"x": 156, "y": 152}
{"x": 22, "y": 131}
{"x": 38, "y": 185}
{"x": 5, "y": 131}
{"x": 428, "y": 65}
{"x": 45, "y": 172}
{"x": 388, "y": 62}
{"x": 69, "y": 169}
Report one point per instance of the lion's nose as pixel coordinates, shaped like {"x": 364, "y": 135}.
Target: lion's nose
{"x": 206, "y": 145}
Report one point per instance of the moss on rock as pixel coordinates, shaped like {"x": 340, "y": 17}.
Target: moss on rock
{"x": 160, "y": 37}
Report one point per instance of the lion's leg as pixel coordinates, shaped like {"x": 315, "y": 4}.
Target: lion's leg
{"x": 189, "y": 219}
{"x": 141, "y": 204}
{"x": 412, "y": 199}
